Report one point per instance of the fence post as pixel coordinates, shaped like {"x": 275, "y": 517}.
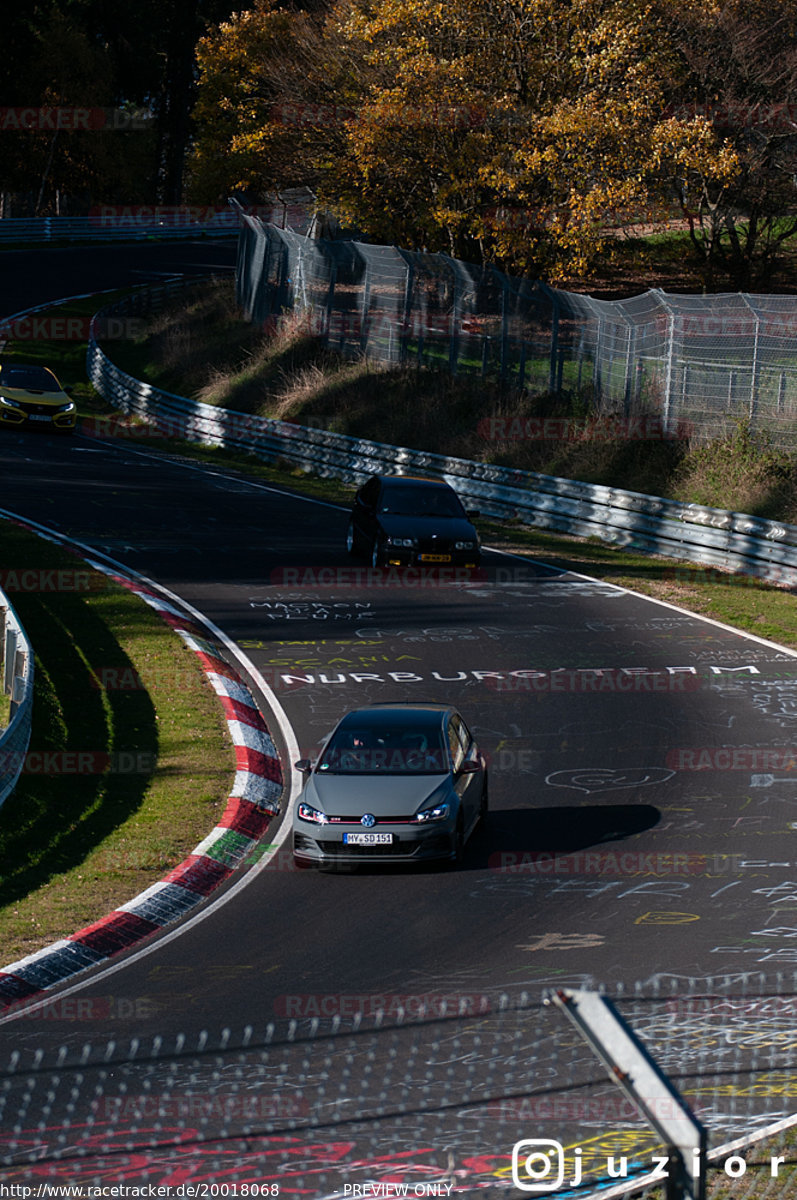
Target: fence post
{"x": 504, "y": 325}
{"x": 552, "y": 368}
{"x": 406, "y": 315}
{"x": 676, "y": 1187}
{"x": 669, "y": 364}
{"x": 333, "y": 271}
{"x": 752, "y": 412}
{"x": 366, "y": 300}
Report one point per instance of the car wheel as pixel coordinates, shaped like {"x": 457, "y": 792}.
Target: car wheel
{"x": 377, "y": 553}
{"x": 351, "y": 539}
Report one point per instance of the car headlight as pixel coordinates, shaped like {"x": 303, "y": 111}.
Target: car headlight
{"x": 466, "y": 545}
{"x": 406, "y": 543}
{"x": 306, "y": 813}
{"x": 438, "y": 813}
{"x": 9, "y": 403}
{"x": 70, "y": 407}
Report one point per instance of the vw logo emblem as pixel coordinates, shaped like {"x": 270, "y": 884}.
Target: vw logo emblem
{"x": 368, "y": 819}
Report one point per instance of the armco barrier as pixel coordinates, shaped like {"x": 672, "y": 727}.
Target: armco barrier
{"x": 17, "y": 683}
{"x": 735, "y": 541}
{"x": 83, "y": 229}
{"x": 291, "y": 208}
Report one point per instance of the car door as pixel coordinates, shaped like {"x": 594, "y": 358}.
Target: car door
{"x": 467, "y": 784}
{"x": 364, "y": 513}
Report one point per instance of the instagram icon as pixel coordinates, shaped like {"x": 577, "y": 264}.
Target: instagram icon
{"x": 538, "y": 1165}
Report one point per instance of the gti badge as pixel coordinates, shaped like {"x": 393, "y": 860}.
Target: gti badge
{"x": 368, "y": 820}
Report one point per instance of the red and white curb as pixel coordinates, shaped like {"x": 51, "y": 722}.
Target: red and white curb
{"x": 252, "y": 803}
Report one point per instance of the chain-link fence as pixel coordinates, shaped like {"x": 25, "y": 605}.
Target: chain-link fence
{"x": 437, "y": 1094}
{"x": 706, "y": 362}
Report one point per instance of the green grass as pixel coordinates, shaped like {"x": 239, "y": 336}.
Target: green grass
{"x": 113, "y": 684}
{"x": 206, "y": 351}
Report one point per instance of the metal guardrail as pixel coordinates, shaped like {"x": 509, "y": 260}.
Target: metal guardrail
{"x": 17, "y": 683}
{"x": 82, "y": 229}
{"x": 631, "y": 520}
{"x": 291, "y": 207}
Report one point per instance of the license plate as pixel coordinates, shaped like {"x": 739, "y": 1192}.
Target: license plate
{"x": 38, "y": 417}
{"x": 367, "y": 839}
{"x": 435, "y": 557}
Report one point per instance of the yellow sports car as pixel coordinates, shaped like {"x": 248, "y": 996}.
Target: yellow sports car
{"x": 31, "y": 396}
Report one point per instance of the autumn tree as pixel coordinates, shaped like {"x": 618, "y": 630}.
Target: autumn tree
{"x": 273, "y": 95}
{"x": 506, "y": 130}
{"x": 734, "y": 75}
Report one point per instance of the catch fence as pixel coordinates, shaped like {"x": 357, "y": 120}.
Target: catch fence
{"x": 701, "y": 362}
{"x": 429, "y": 1091}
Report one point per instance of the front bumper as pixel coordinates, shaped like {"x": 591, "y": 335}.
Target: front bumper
{"x": 395, "y": 556}
{"x": 324, "y": 845}
{"x": 20, "y": 418}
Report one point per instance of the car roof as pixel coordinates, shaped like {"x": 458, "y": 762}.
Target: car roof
{"x": 416, "y": 480}
{"x": 21, "y": 367}
{"x": 429, "y": 715}
{"x": 14, "y": 365}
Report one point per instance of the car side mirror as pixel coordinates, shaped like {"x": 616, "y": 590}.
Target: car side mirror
{"x": 68, "y": 390}
{"x": 470, "y": 767}
{"x": 472, "y": 512}
{"x": 304, "y": 765}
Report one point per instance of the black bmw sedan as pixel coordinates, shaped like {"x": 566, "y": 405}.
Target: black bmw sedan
{"x": 401, "y": 520}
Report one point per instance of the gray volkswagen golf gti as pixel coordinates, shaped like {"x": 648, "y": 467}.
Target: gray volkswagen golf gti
{"x": 394, "y": 783}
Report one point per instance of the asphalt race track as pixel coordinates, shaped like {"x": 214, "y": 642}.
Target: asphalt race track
{"x": 635, "y": 743}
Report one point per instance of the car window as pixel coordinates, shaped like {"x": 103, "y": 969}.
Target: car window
{"x": 369, "y": 493}
{"x": 37, "y": 378}
{"x": 455, "y": 746}
{"x": 391, "y": 750}
{"x": 462, "y": 733}
{"x": 420, "y": 502}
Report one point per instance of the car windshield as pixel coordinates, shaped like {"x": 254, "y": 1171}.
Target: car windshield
{"x": 385, "y": 751}
{"x": 37, "y": 379}
{"x": 421, "y": 502}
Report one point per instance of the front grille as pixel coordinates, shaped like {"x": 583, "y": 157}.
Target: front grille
{"x": 357, "y": 821}
{"x": 430, "y": 545}
{"x": 399, "y": 848}
{"x": 36, "y": 409}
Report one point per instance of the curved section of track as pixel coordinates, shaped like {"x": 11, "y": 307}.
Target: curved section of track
{"x": 253, "y": 802}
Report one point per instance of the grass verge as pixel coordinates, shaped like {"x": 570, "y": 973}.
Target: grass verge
{"x": 130, "y": 761}
{"x": 199, "y": 346}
